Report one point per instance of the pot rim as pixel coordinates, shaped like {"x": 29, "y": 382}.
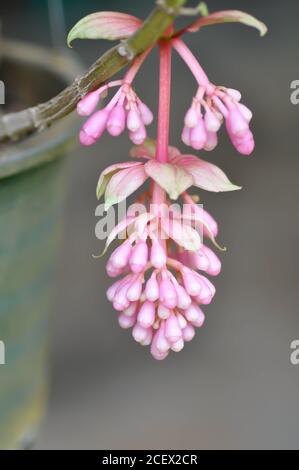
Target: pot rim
{"x": 42, "y": 147}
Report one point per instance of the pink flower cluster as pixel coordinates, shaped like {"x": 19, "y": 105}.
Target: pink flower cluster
{"x": 162, "y": 309}
{"x": 125, "y": 110}
{"x": 210, "y": 107}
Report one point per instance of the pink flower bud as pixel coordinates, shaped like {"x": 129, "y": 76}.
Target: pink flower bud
{"x": 244, "y": 145}
{"x": 139, "y": 333}
{"x": 236, "y": 124}
{"x": 152, "y": 288}
{"x": 191, "y": 118}
{"x": 88, "y": 104}
{"x": 117, "y": 121}
{"x": 198, "y": 135}
{"x": 211, "y": 222}
{"x": 112, "y": 271}
{"x": 214, "y": 264}
{"x": 96, "y": 124}
{"x": 212, "y": 122}
{"x": 168, "y": 295}
{"x": 186, "y": 135}
{"x": 188, "y": 333}
{"x": 133, "y": 120}
{"x": 148, "y": 338}
{"x": 139, "y": 257}
{"x": 120, "y": 300}
{"x": 173, "y": 331}
{"x": 120, "y": 257}
{"x": 200, "y": 321}
{"x": 211, "y": 142}
{"x": 146, "y": 315}
{"x": 135, "y": 290}
{"x": 158, "y": 255}
{"x": 194, "y": 314}
{"x": 85, "y": 139}
{"x": 163, "y": 312}
{"x": 182, "y": 321}
{"x": 178, "y": 346}
{"x": 247, "y": 114}
{"x": 131, "y": 310}
{"x": 112, "y": 290}
{"x": 146, "y": 114}
{"x": 161, "y": 342}
{"x": 126, "y": 322}
{"x": 155, "y": 352}
{"x": 207, "y": 291}
{"x": 184, "y": 299}
{"x": 139, "y": 136}
{"x": 234, "y": 94}
{"x": 191, "y": 282}
{"x": 200, "y": 260}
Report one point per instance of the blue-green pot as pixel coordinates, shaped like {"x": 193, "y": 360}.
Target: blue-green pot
{"x": 32, "y": 188}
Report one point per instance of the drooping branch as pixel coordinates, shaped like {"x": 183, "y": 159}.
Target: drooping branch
{"x": 15, "y": 126}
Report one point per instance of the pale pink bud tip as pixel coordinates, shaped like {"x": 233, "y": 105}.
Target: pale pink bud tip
{"x": 211, "y": 142}
{"x": 168, "y": 295}
{"x": 236, "y": 124}
{"x": 191, "y": 282}
{"x": 186, "y": 135}
{"x": 117, "y": 121}
{"x": 244, "y": 145}
{"x": 195, "y": 315}
{"x": 146, "y": 114}
{"x": 133, "y": 120}
{"x": 138, "y": 136}
{"x": 234, "y": 94}
{"x": 152, "y": 288}
{"x": 146, "y": 315}
{"x": 188, "y": 333}
{"x": 88, "y": 104}
{"x": 126, "y": 322}
{"x": 158, "y": 255}
{"x": 212, "y": 122}
{"x": 135, "y": 290}
{"x": 96, "y": 125}
{"x": 178, "y": 346}
{"x": 85, "y": 139}
{"x": 191, "y": 118}
{"x": 139, "y": 333}
{"x": 213, "y": 267}
{"x": 173, "y": 331}
{"x": 121, "y": 255}
{"x": 139, "y": 257}
{"x": 198, "y": 135}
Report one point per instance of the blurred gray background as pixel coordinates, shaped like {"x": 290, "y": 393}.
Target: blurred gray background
{"x": 233, "y": 387}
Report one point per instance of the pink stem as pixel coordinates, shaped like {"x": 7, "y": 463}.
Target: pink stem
{"x": 191, "y": 62}
{"x": 164, "y": 114}
{"x": 134, "y": 68}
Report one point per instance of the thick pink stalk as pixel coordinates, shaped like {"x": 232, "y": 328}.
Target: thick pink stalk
{"x": 163, "y": 114}
{"x": 191, "y": 62}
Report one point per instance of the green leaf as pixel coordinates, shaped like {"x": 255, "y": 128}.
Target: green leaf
{"x": 109, "y": 25}
{"x": 228, "y": 16}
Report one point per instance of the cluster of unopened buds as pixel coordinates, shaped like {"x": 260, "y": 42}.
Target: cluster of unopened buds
{"x": 162, "y": 262}
{"x": 162, "y": 309}
{"x": 204, "y": 118}
{"x": 125, "y": 110}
